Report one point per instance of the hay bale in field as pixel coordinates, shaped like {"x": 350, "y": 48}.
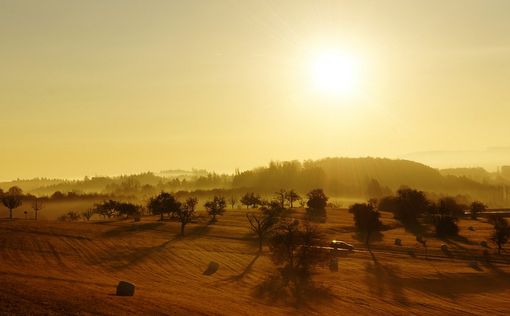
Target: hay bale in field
{"x": 410, "y": 251}
{"x": 484, "y": 244}
{"x": 211, "y": 268}
{"x": 444, "y": 248}
{"x": 398, "y": 242}
{"x": 125, "y": 288}
{"x": 471, "y": 228}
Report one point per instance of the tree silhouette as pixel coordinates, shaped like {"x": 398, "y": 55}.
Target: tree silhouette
{"x": 87, "y": 214}
{"x": 251, "y": 199}
{"x": 246, "y": 200}
{"x": 366, "y": 220}
{"x": 37, "y": 205}
{"x": 106, "y": 208}
{"x": 291, "y": 197}
{"x": 295, "y": 247}
{"x": 501, "y": 232}
{"x": 476, "y": 208}
{"x": 316, "y": 203}
{"x": 187, "y": 212}
{"x": 445, "y": 215}
{"x": 410, "y": 205}
{"x": 261, "y": 225}
{"x": 215, "y": 207}
{"x": 12, "y": 199}
{"x": 281, "y": 197}
{"x": 232, "y": 201}
{"x": 163, "y": 203}
{"x": 127, "y": 209}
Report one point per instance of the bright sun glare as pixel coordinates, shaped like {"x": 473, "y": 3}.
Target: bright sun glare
{"x": 335, "y": 73}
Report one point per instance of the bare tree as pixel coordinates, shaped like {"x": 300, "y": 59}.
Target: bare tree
{"x": 261, "y": 225}
{"x": 37, "y": 205}
{"x": 187, "y": 212}
{"x": 291, "y": 197}
{"x": 281, "y": 196}
{"x": 232, "y": 201}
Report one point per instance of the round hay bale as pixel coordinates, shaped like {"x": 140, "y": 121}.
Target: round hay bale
{"x": 444, "y": 248}
{"x": 212, "y": 268}
{"x": 474, "y": 265}
{"x": 410, "y": 251}
{"x": 398, "y": 242}
{"x": 125, "y": 288}
{"x": 471, "y": 228}
{"x": 484, "y": 244}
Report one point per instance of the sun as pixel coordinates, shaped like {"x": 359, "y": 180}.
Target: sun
{"x": 335, "y": 73}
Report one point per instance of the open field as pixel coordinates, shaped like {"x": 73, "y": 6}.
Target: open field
{"x": 72, "y": 268}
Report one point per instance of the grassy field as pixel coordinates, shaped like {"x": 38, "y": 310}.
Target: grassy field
{"x": 50, "y": 267}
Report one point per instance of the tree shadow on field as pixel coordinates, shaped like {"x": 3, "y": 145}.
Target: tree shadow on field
{"x": 416, "y": 228}
{"x": 197, "y": 231}
{"x": 458, "y": 241}
{"x": 304, "y": 294}
{"x": 129, "y": 258}
{"x": 133, "y": 228}
{"x": 381, "y": 278}
{"x": 246, "y": 270}
{"x": 385, "y": 278}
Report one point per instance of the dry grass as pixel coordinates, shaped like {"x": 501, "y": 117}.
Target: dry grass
{"x": 73, "y": 268}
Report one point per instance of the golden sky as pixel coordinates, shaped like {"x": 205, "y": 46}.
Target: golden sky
{"x": 108, "y": 87}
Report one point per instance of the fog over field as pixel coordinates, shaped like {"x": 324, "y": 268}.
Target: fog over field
{"x": 223, "y": 157}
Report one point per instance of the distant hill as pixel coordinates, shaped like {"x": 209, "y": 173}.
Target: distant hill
{"x": 477, "y": 174}
{"x": 352, "y": 176}
{"x": 347, "y": 177}
{"x": 31, "y": 184}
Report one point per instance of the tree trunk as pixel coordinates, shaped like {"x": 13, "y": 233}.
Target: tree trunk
{"x": 182, "y": 229}
{"x": 161, "y": 216}
{"x": 36, "y": 215}
{"x": 10, "y": 213}
{"x": 260, "y": 244}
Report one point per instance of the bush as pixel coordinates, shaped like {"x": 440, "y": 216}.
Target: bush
{"x": 70, "y": 216}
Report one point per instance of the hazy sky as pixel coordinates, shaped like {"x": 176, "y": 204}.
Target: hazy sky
{"x": 110, "y": 87}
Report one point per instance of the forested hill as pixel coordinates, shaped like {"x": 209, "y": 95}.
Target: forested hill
{"x": 355, "y": 176}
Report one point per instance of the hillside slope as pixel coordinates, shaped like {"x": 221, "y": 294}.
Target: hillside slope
{"x": 72, "y": 268}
